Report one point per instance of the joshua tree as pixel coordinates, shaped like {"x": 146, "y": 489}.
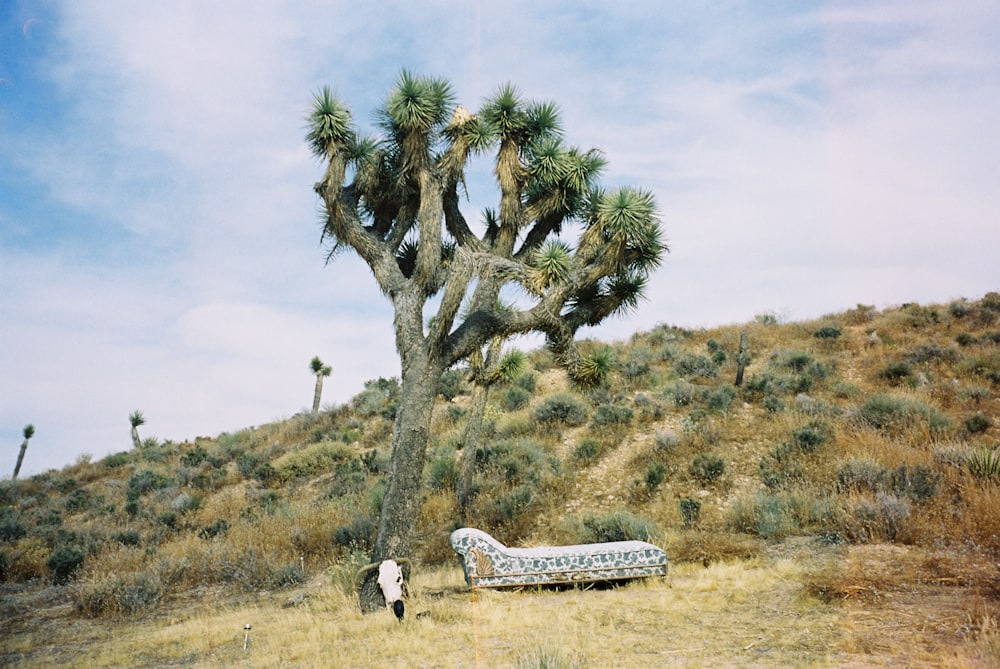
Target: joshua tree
{"x": 29, "y": 432}
{"x": 320, "y": 370}
{"x": 136, "y": 419}
{"x": 400, "y": 213}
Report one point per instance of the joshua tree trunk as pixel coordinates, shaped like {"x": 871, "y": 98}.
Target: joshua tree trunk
{"x": 401, "y": 503}
{"x": 318, "y": 392}
{"x": 29, "y": 432}
{"x": 471, "y": 439}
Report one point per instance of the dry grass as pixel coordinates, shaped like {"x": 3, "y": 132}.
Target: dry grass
{"x": 751, "y": 613}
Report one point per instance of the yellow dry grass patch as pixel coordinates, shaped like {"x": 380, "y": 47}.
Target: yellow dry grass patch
{"x": 751, "y": 613}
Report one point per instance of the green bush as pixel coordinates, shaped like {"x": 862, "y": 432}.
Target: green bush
{"x": 767, "y": 516}
{"x": 12, "y": 530}
{"x": 146, "y": 481}
{"x": 897, "y": 373}
{"x": 682, "y": 393}
{"x": 514, "y": 398}
{"x": 450, "y": 384}
{"x": 888, "y": 413}
{"x": 655, "y": 473}
{"x": 918, "y": 482}
{"x": 693, "y": 365}
{"x": 588, "y": 451}
{"x": 707, "y": 468}
{"x": 810, "y": 437}
{"x": 861, "y": 476}
{"x": 881, "y": 519}
{"x": 780, "y": 467}
{"x": 443, "y": 472}
{"x": 827, "y": 332}
{"x": 116, "y": 460}
{"x": 127, "y": 595}
{"x": 977, "y": 424}
{"x": 358, "y": 534}
{"x": 562, "y": 408}
{"x": 194, "y": 456}
{"x": 690, "y": 511}
{"x": 720, "y": 398}
{"x": 611, "y": 414}
{"x": 64, "y": 563}
{"x": 619, "y": 526}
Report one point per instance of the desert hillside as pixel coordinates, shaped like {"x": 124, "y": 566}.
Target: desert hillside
{"x": 837, "y": 507}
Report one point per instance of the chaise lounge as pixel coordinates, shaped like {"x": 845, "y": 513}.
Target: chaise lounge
{"x": 490, "y": 564}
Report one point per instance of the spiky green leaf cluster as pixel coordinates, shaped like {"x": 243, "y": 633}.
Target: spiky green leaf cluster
{"x": 329, "y": 123}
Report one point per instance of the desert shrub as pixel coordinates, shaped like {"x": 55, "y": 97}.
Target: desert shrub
{"x": 359, "y": 534}
{"x": 810, "y": 437}
{"x": 312, "y": 460}
{"x": 379, "y": 398}
{"x": 974, "y": 393}
{"x": 984, "y": 464}
{"x": 690, "y": 511}
{"x": 773, "y": 404}
{"x": 611, "y": 414}
{"x": 665, "y": 441}
{"x": 128, "y": 595}
{"x": 450, "y": 384}
{"x": 562, "y": 408}
{"x": 931, "y": 353}
{"x": 218, "y": 528}
{"x": 682, "y": 393}
{"x": 693, "y": 365}
{"x": 527, "y": 380}
{"x": 827, "y": 332}
{"x": 253, "y": 465}
{"x": 258, "y": 570}
{"x": 116, "y": 460}
{"x": 146, "y": 481}
{"x": 12, "y": 529}
{"x": 515, "y": 397}
{"x": 896, "y": 373}
{"x": 618, "y": 526}
{"x": 881, "y": 519}
{"x": 655, "y": 473}
{"x": 443, "y": 472}
{"x": 194, "y": 456}
{"x": 78, "y": 500}
{"x": 888, "y": 413}
{"x": 128, "y": 538}
{"x": 977, "y": 424}
{"x": 917, "y": 482}
{"x": 720, "y": 398}
{"x": 707, "y": 468}
{"x": 861, "y": 476}
{"x": 844, "y": 390}
{"x": 588, "y": 451}
{"x": 964, "y": 339}
{"x": 780, "y": 468}
{"x": 637, "y": 363}
{"x": 766, "y": 515}
{"x": 64, "y": 563}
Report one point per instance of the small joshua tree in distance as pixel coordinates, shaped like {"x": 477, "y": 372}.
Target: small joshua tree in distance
{"x": 29, "y": 432}
{"x": 320, "y": 370}
{"x": 136, "y": 419}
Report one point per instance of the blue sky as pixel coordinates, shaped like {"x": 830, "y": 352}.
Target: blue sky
{"x": 159, "y": 244}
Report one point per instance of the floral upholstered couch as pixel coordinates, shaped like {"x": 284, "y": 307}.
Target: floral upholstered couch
{"x": 490, "y": 564}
